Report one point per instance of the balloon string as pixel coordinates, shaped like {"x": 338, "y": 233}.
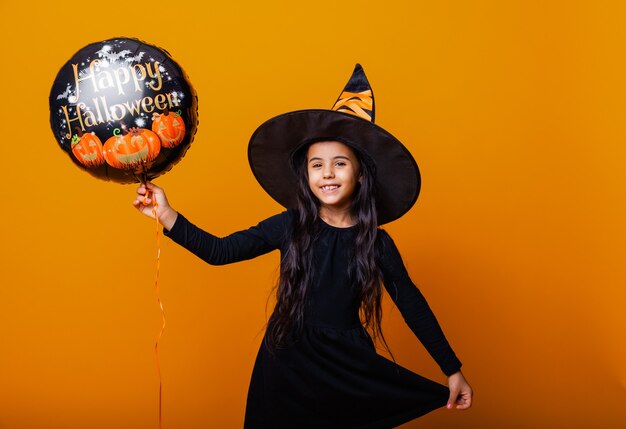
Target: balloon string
{"x": 158, "y": 296}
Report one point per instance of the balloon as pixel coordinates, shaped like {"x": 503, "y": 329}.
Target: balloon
{"x": 123, "y": 110}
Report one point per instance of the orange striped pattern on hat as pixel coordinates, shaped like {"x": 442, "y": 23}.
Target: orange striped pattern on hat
{"x": 360, "y": 104}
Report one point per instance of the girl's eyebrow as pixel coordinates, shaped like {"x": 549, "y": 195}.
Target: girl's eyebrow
{"x": 317, "y": 158}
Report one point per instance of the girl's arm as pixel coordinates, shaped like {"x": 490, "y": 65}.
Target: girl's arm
{"x": 422, "y": 321}
{"x": 414, "y": 308}
{"x": 239, "y": 246}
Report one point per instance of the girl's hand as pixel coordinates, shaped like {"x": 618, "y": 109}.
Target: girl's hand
{"x": 144, "y": 202}
{"x": 460, "y": 392}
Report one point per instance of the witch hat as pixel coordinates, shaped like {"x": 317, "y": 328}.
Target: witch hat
{"x": 350, "y": 121}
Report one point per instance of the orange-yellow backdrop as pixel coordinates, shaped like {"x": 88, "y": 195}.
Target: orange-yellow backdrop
{"x": 515, "y": 112}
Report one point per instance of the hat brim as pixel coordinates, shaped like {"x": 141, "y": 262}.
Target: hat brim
{"x": 273, "y": 143}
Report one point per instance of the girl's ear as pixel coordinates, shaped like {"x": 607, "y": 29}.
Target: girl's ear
{"x": 360, "y": 178}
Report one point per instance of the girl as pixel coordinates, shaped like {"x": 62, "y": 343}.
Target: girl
{"x": 341, "y": 177}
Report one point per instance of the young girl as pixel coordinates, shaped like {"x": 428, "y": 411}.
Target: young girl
{"x": 341, "y": 177}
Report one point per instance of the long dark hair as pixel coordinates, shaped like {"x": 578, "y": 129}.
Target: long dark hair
{"x": 297, "y": 265}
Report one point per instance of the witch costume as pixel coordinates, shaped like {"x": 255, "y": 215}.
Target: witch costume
{"x": 329, "y": 375}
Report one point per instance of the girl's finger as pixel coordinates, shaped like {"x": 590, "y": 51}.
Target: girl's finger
{"x": 464, "y": 401}
{"x": 142, "y": 200}
{"x": 454, "y": 397}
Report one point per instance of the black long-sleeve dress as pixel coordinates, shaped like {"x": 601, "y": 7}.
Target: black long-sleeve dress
{"x": 330, "y": 376}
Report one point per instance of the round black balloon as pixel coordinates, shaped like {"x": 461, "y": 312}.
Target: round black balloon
{"x": 123, "y": 110}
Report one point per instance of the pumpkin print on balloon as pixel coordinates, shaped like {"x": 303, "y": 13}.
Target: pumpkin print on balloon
{"x": 134, "y": 97}
{"x": 87, "y": 148}
{"x": 169, "y": 127}
{"x": 134, "y": 150}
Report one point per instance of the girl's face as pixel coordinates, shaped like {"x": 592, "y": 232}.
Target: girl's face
{"x": 334, "y": 172}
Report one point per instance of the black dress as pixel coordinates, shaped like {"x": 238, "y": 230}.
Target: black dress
{"x": 330, "y": 376}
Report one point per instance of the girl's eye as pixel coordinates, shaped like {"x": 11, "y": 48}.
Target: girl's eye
{"x": 317, "y": 165}
{"x": 340, "y": 163}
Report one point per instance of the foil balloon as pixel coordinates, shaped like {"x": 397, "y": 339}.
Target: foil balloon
{"x": 123, "y": 110}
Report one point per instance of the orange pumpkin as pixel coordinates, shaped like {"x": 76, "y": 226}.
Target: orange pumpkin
{"x": 170, "y": 128}
{"x": 131, "y": 150}
{"x": 87, "y": 148}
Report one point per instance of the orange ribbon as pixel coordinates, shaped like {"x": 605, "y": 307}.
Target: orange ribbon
{"x": 158, "y": 296}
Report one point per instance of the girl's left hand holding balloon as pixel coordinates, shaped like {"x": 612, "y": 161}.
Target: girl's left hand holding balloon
{"x": 151, "y": 200}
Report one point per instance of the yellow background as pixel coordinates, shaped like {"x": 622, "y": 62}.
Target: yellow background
{"x": 515, "y": 112}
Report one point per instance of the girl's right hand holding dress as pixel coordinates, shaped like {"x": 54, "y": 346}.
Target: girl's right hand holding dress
{"x": 461, "y": 393}
{"x": 147, "y": 195}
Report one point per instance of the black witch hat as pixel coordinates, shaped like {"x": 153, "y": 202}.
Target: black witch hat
{"x": 351, "y": 121}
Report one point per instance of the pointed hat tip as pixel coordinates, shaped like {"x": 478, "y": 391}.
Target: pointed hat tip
{"x": 357, "y": 98}
{"x": 358, "y": 70}
{"x": 358, "y": 81}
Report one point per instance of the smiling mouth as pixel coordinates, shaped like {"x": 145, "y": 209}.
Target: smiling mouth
{"x": 329, "y": 188}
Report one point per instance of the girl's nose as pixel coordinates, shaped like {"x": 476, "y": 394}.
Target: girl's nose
{"x": 328, "y": 173}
